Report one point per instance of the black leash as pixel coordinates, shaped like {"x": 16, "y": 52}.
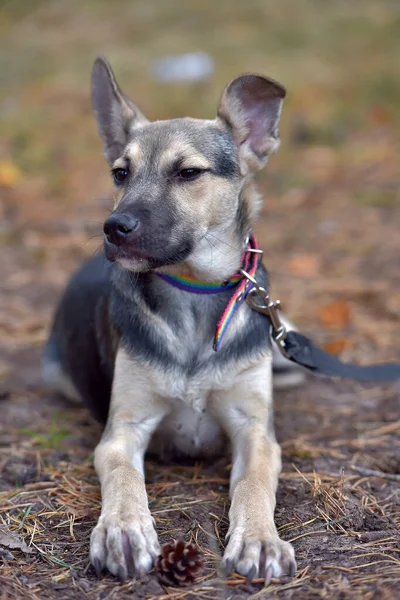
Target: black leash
{"x": 301, "y": 350}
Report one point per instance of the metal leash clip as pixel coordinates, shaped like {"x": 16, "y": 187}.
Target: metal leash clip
{"x": 268, "y": 307}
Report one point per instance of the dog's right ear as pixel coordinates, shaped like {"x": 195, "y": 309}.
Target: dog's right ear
{"x": 116, "y": 115}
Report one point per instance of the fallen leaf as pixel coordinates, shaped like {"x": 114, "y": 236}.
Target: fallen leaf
{"x": 335, "y": 315}
{"x": 380, "y": 114}
{"x": 336, "y": 346}
{"x": 9, "y": 173}
{"x": 306, "y": 265}
{"x": 10, "y": 539}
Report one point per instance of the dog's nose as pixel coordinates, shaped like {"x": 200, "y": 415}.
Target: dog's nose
{"x": 117, "y": 228}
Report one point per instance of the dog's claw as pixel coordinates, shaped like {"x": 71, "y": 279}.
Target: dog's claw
{"x": 132, "y": 573}
{"x": 97, "y": 567}
{"x": 125, "y": 547}
{"x": 121, "y": 574}
{"x": 268, "y": 575}
{"x": 292, "y": 569}
{"x": 251, "y": 574}
{"x": 228, "y": 564}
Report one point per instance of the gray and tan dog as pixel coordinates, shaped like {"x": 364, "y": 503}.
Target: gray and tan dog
{"x": 139, "y": 351}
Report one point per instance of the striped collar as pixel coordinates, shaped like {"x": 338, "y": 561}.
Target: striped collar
{"x": 237, "y": 282}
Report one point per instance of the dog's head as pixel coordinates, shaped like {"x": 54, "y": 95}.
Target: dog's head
{"x": 181, "y": 183}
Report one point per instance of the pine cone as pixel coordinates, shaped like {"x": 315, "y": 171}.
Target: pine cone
{"x": 179, "y": 563}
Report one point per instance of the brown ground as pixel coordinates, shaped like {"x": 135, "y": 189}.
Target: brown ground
{"x": 330, "y": 235}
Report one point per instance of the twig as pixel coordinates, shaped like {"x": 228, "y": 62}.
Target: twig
{"x": 375, "y": 473}
{"x": 373, "y": 536}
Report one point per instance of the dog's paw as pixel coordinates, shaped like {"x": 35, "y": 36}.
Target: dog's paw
{"x": 258, "y": 556}
{"x": 127, "y": 546}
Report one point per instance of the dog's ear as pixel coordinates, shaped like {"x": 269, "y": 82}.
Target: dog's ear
{"x": 116, "y": 115}
{"x": 251, "y": 106}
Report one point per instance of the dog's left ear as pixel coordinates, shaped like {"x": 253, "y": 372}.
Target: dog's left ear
{"x": 251, "y": 106}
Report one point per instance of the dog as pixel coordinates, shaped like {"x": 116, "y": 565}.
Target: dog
{"x": 139, "y": 350}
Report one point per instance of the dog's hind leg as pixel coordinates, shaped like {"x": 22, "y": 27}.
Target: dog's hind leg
{"x": 245, "y": 412}
{"x": 53, "y": 374}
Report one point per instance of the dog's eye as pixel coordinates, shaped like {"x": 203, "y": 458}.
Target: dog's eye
{"x": 120, "y": 175}
{"x": 189, "y": 174}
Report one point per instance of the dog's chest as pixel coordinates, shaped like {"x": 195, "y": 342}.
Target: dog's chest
{"x": 192, "y": 391}
{"x": 173, "y": 340}
{"x": 198, "y": 369}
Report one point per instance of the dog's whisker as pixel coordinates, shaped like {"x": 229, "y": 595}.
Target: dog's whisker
{"x": 212, "y": 247}
{"x": 216, "y": 247}
{"x": 93, "y": 237}
{"x": 97, "y": 250}
{"x": 224, "y": 242}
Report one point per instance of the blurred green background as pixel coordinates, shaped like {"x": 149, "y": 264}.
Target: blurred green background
{"x": 339, "y": 61}
{"x": 330, "y": 225}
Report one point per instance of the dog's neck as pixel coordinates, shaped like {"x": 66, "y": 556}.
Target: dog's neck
{"x": 219, "y": 253}
{"x": 215, "y": 258}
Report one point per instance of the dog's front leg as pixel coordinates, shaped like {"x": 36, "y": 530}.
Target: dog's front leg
{"x": 124, "y": 541}
{"x": 245, "y": 411}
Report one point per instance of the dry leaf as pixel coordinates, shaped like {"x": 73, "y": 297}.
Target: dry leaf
{"x": 380, "y": 114}
{"x": 306, "y": 265}
{"x": 335, "y": 315}
{"x": 9, "y": 173}
{"x": 10, "y": 539}
{"x": 336, "y": 346}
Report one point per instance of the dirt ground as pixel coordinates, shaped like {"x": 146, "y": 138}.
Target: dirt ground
{"x": 330, "y": 232}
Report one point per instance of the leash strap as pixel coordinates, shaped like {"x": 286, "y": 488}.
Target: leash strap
{"x": 299, "y": 349}
{"x": 250, "y": 263}
{"x": 293, "y": 345}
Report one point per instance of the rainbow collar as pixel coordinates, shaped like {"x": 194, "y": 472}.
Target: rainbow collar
{"x": 241, "y": 284}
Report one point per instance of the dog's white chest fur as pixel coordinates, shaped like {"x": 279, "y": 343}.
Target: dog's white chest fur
{"x": 188, "y": 432}
{"x": 196, "y": 400}
{"x": 190, "y": 428}
{"x": 191, "y": 392}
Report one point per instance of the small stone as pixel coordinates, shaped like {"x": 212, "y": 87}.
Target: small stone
{"x": 154, "y": 588}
